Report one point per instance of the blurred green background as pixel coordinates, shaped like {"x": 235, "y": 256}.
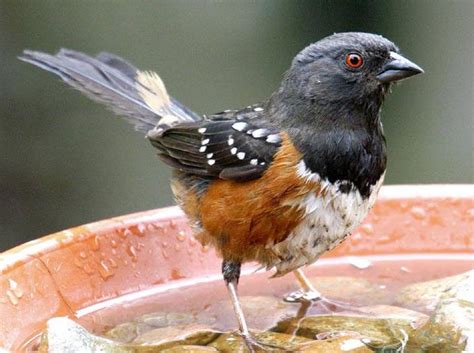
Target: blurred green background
{"x": 65, "y": 160}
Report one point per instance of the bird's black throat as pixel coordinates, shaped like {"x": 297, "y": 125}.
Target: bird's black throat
{"x": 342, "y": 142}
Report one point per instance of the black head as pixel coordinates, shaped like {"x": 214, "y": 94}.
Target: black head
{"x": 341, "y": 74}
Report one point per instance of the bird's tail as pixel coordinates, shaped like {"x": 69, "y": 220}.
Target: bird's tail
{"x": 139, "y": 96}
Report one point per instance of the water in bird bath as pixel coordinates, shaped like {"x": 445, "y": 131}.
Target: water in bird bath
{"x": 386, "y": 309}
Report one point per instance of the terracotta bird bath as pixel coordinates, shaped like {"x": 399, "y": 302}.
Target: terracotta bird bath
{"x": 80, "y": 272}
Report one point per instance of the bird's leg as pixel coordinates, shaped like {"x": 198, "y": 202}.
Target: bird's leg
{"x": 308, "y": 293}
{"x": 231, "y": 274}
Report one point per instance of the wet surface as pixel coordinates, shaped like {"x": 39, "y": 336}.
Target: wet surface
{"x": 389, "y": 310}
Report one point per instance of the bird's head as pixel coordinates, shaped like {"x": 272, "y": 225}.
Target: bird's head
{"x": 344, "y": 72}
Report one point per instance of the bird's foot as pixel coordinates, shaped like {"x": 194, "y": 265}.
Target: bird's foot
{"x": 335, "y": 306}
{"x": 253, "y": 345}
{"x": 303, "y": 296}
{"x": 326, "y": 305}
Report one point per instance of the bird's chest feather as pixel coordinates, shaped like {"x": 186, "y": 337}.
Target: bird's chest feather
{"x": 329, "y": 216}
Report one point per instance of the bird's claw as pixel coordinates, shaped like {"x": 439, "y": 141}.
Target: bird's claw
{"x": 326, "y": 305}
{"x": 253, "y": 345}
{"x": 302, "y": 296}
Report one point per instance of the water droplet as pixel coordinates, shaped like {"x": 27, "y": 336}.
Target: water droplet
{"x": 404, "y": 269}
{"x": 164, "y": 244}
{"x": 113, "y": 243}
{"x": 157, "y": 226}
{"x": 12, "y": 297}
{"x": 132, "y": 251}
{"x": 384, "y": 239}
{"x": 83, "y": 254}
{"x": 126, "y": 233}
{"x": 177, "y": 247}
{"x": 78, "y": 263}
{"x": 88, "y": 269}
{"x": 12, "y": 284}
{"x": 359, "y": 262}
{"x": 173, "y": 224}
{"x": 181, "y": 236}
{"x": 114, "y": 252}
{"x": 113, "y": 263}
{"x": 418, "y": 212}
{"x": 205, "y": 248}
{"x": 104, "y": 270}
{"x": 95, "y": 243}
{"x": 165, "y": 254}
{"x": 367, "y": 228}
{"x": 141, "y": 229}
{"x": 15, "y": 288}
{"x": 58, "y": 267}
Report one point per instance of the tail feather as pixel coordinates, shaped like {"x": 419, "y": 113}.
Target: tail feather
{"x": 140, "y": 97}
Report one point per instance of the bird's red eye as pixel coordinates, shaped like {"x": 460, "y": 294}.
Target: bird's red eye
{"x": 354, "y": 60}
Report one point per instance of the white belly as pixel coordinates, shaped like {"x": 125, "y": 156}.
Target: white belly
{"x": 328, "y": 220}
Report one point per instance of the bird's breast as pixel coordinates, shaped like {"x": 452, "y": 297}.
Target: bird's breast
{"x": 329, "y": 217}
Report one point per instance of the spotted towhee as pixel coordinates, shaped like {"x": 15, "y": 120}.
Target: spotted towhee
{"x": 279, "y": 182}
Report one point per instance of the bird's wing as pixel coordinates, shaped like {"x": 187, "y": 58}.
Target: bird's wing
{"x": 228, "y": 145}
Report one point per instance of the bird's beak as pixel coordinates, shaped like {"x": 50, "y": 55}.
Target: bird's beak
{"x": 398, "y": 68}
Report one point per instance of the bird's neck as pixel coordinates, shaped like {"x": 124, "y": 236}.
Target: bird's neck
{"x": 288, "y": 109}
{"x": 340, "y": 141}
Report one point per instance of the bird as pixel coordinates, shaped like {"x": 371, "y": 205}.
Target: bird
{"x": 279, "y": 182}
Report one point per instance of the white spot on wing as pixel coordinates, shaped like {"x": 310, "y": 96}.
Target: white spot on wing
{"x": 259, "y": 133}
{"x": 258, "y": 109}
{"x": 233, "y": 150}
{"x": 241, "y": 155}
{"x": 209, "y": 155}
{"x": 202, "y": 130}
{"x": 202, "y": 149}
{"x": 205, "y": 142}
{"x": 274, "y": 138}
{"x": 230, "y": 141}
{"x": 211, "y": 162}
{"x": 240, "y": 126}
{"x": 254, "y": 161}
